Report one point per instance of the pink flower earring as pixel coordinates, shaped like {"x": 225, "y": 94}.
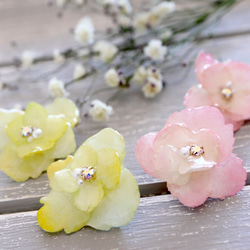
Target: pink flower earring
{"x": 225, "y": 85}
{"x": 193, "y": 154}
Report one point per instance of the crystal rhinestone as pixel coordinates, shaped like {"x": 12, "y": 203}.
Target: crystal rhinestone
{"x": 227, "y": 93}
{"x": 27, "y": 131}
{"x": 196, "y": 150}
{"x": 87, "y": 173}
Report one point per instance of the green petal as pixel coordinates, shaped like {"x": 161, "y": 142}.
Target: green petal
{"x": 35, "y": 146}
{"x": 84, "y": 156}
{"x": 35, "y": 116}
{"x": 59, "y": 213}
{"x": 108, "y": 167}
{"x": 65, "y": 180}
{"x": 6, "y": 116}
{"x": 55, "y": 127}
{"x": 57, "y": 166}
{"x": 20, "y": 169}
{"x": 108, "y": 138}
{"x": 64, "y": 106}
{"x": 89, "y": 196}
{"x": 64, "y": 146}
{"x": 118, "y": 206}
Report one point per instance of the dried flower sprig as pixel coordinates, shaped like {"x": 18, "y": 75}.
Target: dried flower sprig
{"x": 142, "y": 43}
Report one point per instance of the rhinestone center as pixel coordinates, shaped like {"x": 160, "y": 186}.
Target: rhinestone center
{"x": 27, "y": 131}
{"x": 196, "y": 150}
{"x": 227, "y": 93}
{"x": 83, "y": 174}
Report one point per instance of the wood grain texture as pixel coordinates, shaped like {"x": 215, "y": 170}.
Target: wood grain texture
{"x": 161, "y": 222}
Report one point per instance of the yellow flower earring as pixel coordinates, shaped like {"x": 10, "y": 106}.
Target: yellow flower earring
{"x": 32, "y": 140}
{"x": 90, "y": 188}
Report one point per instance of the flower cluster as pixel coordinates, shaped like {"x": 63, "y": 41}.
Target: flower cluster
{"x": 92, "y": 187}
{"x": 225, "y": 85}
{"x": 193, "y": 154}
{"x": 31, "y": 140}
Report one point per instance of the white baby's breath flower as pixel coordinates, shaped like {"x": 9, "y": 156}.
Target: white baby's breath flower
{"x": 140, "y": 75}
{"x": 79, "y": 71}
{"x": 27, "y": 59}
{"x": 61, "y": 3}
{"x": 155, "y": 50}
{"x": 125, "y": 6}
{"x": 56, "y": 88}
{"x": 155, "y": 73}
{"x": 112, "y": 78}
{"x": 106, "y": 50}
{"x": 152, "y": 87}
{"x": 163, "y": 9}
{"x": 99, "y": 111}
{"x": 124, "y": 21}
{"x": 58, "y": 56}
{"x": 84, "y": 31}
{"x": 141, "y": 21}
{"x": 166, "y": 34}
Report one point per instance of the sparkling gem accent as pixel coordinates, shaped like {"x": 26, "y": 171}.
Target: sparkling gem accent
{"x": 227, "y": 93}
{"x": 196, "y": 150}
{"x": 82, "y": 174}
{"x": 27, "y": 131}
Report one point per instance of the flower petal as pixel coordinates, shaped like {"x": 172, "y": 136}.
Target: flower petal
{"x": 108, "y": 167}
{"x": 35, "y": 115}
{"x": 203, "y": 61}
{"x": 59, "y": 213}
{"x": 65, "y": 107}
{"x": 118, "y": 206}
{"x": 108, "y": 138}
{"x": 85, "y": 156}
{"x": 57, "y": 166}
{"x": 195, "y": 191}
{"x": 20, "y": 169}
{"x": 228, "y": 177}
{"x": 145, "y": 154}
{"x": 64, "y": 146}
{"x": 89, "y": 196}
{"x": 6, "y": 116}
{"x": 197, "y": 96}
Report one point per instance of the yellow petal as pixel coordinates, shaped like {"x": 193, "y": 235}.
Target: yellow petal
{"x": 59, "y": 213}
{"x": 108, "y": 138}
{"x": 108, "y": 167}
{"x": 89, "y": 196}
{"x": 65, "y": 107}
{"x": 20, "y": 169}
{"x": 57, "y": 166}
{"x": 118, "y": 206}
{"x": 85, "y": 156}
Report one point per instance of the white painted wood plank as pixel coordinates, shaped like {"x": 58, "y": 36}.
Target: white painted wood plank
{"x": 161, "y": 222}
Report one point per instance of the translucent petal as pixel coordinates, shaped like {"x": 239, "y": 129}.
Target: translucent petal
{"x": 35, "y": 146}
{"x": 89, "y": 196}
{"x": 59, "y": 213}
{"x": 20, "y": 169}
{"x": 108, "y": 138}
{"x": 35, "y": 115}
{"x": 55, "y": 127}
{"x": 65, "y": 180}
{"x": 85, "y": 156}
{"x": 6, "y": 116}
{"x": 64, "y": 146}
{"x": 108, "y": 167}
{"x": 65, "y": 107}
{"x": 57, "y": 166}
{"x": 118, "y": 206}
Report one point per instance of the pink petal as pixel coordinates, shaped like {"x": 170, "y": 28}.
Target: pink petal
{"x": 145, "y": 155}
{"x": 229, "y": 119}
{"x": 207, "y": 118}
{"x": 228, "y": 177}
{"x": 195, "y": 192}
{"x": 203, "y": 61}
{"x": 196, "y": 97}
